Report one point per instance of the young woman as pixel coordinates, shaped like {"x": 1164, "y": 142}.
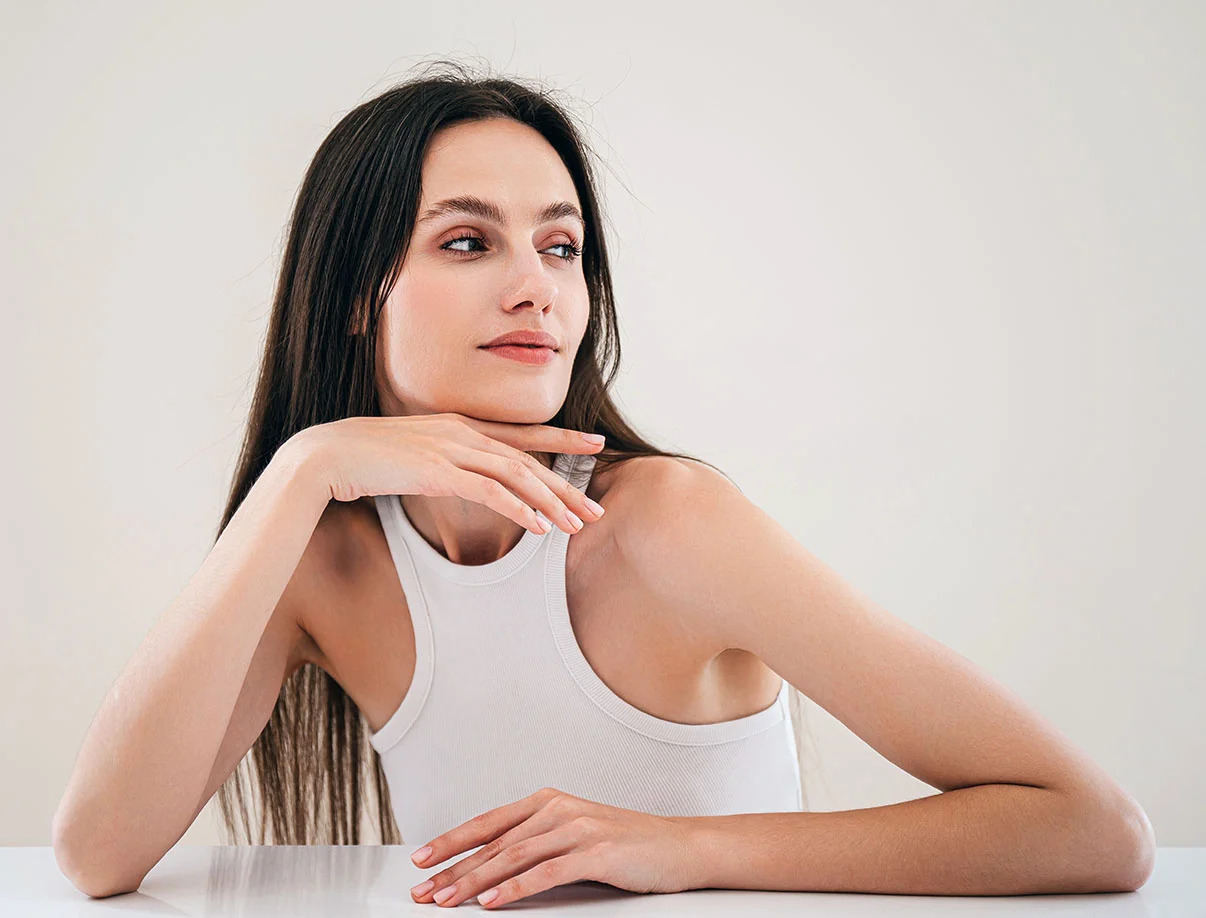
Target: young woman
{"x": 415, "y": 586}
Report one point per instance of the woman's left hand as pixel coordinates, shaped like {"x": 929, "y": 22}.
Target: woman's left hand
{"x": 550, "y": 838}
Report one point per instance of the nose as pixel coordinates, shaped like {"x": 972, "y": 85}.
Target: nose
{"x": 532, "y": 287}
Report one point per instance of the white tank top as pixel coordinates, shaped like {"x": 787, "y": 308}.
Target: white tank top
{"x": 503, "y": 702}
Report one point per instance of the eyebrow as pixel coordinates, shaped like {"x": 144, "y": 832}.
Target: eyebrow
{"x": 487, "y": 210}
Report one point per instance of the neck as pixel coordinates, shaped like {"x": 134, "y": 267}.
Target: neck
{"x": 465, "y": 531}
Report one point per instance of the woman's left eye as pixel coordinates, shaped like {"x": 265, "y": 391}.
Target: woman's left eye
{"x": 574, "y": 250}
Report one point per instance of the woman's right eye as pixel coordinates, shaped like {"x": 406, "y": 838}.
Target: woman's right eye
{"x": 461, "y": 239}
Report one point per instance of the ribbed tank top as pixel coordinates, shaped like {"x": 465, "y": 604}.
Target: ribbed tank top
{"x": 503, "y": 702}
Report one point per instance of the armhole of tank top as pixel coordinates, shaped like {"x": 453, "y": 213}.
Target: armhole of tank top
{"x": 616, "y": 707}
{"x": 403, "y": 718}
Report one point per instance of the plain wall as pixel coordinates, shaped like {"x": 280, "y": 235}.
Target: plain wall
{"x": 926, "y": 279}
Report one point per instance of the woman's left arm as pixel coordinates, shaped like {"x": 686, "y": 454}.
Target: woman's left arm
{"x": 1021, "y": 810}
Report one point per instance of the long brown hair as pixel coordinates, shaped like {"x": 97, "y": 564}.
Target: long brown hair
{"x": 347, "y": 238}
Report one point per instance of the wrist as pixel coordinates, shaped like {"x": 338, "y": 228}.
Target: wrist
{"x": 698, "y": 847}
{"x": 301, "y": 463}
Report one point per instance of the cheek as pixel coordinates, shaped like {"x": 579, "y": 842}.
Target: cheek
{"x": 581, "y": 318}
{"x": 422, "y": 301}
{"x": 429, "y": 308}
{"x": 427, "y": 336}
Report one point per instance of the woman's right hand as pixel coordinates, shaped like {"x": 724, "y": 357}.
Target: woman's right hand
{"x": 450, "y": 454}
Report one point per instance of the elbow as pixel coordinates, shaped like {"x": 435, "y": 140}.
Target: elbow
{"x": 1137, "y": 848}
{"x": 1117, "y": 846}
{"x": 80, "y": 859}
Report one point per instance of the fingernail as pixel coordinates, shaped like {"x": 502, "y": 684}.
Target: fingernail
{"x": 594, "y": 506}
{"x": 575, "y": 521}
{"x": 423, "y": 887}
{"x": 488, "y": 896}
{"x": 593, "y": 438}
{"x": 445, "y": 893}
{"x": 421, "y": 855}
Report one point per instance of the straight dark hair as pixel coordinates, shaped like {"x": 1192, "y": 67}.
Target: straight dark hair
{"x": 347, "y": 238}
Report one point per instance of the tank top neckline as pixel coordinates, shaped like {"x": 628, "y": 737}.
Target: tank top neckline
{"x": 576, "y": 469}
{"x": 571, "y": 466}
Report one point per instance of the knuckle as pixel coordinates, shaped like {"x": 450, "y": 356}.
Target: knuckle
{"x": 561, "y": 805}
{"x": 491, "y": 849}
{"x": 584, "y": 825}
{"x": 517, "y": 853}
{"x": 510, "y": 887}
{"x": 528, "y": 460}
{"x": 515, "y": 467}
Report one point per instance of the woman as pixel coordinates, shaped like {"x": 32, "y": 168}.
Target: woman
{"x": 387, "y": 597}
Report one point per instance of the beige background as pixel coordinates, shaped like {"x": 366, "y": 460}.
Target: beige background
{"x": 925, "y": 278}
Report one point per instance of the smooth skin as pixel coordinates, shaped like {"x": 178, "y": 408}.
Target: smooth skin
{"x": 200, "y": 688}
{"x": 707, "y": 553}
{"x": 463, "y": 441}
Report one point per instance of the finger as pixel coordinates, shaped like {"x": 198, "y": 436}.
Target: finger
{"x": 452, "y": 874}
{"x": 484, "y": 827}
{"x": 542, "y": 488}
{"x": 544, "y": 820}
{"x": 492, "y": 493}
{"x": 568, "y": 868}
{"x": 574, "y": 499}
{"x": 504, "y": 861}
{"x": 536, "y": 436}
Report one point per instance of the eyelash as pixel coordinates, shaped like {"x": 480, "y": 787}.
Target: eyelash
{"x": 575, "y": 249}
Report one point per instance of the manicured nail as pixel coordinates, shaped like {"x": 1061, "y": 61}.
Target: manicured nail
{"x": 445, "y": 893}
{"x": 594, "y": 506}
{"x": 421, "y": 855}
{"x": 574, "y": 519}
{"x": 593, "y": 438}
{"x": 488, "y": 896}
{"x": 423, "y": 887}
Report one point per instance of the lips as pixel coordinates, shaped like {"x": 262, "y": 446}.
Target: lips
{"x": 524, "y": 338}
{"x": 536, "y": 356}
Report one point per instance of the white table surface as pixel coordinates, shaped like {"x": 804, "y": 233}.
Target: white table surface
{"x": 371, "y": 880}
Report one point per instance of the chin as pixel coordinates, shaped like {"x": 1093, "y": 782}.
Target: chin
{"x": 507, "y": 413}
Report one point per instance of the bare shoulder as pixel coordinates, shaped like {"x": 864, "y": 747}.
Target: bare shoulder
{"x": 656, "y": 508}
{"x": 653, "y": 495}
{"x": 638, "y": 477}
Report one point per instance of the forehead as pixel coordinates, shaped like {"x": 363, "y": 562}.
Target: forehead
{"x": 497, "y": 158}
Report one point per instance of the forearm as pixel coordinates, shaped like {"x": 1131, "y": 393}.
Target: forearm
{"x": 989, "y": 840}
{"x": 147, "y": 756}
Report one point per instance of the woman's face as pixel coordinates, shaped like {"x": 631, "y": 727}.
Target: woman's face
{"x": 454, "y": 294}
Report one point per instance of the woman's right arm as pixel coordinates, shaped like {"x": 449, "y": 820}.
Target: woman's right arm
{"x": 203, "y": 683}
{"x": 148, "y": 757}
